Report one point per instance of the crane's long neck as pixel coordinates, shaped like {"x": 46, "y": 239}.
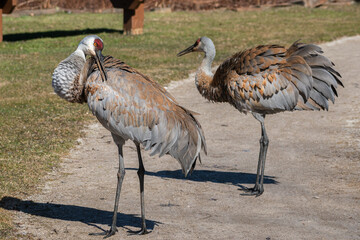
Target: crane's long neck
{"x": 204, "y": 78}
{"x": 69, "y": 77}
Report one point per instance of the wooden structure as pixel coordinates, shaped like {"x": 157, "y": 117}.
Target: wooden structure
{"x": 133, "y": 15}
{"x": 6, "y": 6}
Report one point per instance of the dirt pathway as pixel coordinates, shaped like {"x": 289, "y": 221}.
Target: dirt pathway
{"x": 312, "y": 188}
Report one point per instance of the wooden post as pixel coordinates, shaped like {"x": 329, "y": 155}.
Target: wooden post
{"x": 133, "y": 15}
{"x": 134, "y": 20}
{"x": 1, "y": 32}
{"x": 6, "y": 6}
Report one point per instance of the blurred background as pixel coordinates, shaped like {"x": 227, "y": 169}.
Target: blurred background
{"x": 100, "y": 5}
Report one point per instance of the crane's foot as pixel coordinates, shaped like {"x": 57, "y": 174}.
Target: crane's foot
{"x": 255, "y": 191}
{"x": 106, "y": 234}
{"x": 110, "y": 233}
{"x": 143, "y": 231}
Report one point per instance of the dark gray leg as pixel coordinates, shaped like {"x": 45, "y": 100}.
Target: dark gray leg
{"x": 258, "y": 189}
{"x": 265, "y": 143}
{"x": 120, "y": 177}
{"x": 141, "y": 173}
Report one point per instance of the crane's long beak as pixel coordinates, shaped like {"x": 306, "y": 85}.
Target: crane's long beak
{"x": 186, "y": 51}
{"x": 99, "y": 59}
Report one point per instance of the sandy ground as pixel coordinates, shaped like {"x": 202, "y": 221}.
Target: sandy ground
{"x": 312, "y": 187}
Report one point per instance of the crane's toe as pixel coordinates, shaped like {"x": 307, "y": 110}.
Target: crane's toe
{"x": 106, "y": 234}
{"x": 143, "y": 231}
{"x": 110, "y": 233}
{"x": 254, "y": 191}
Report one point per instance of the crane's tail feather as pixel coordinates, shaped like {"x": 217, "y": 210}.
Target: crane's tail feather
{"x": 325, "y": 79}
{"x": 181, "y": 137}
{"x": 194, "y": 164}
{"x": 194, "y": 142}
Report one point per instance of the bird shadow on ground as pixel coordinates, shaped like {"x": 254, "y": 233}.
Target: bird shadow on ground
{"x": 54, "y": 34}
{"x": 234, "y": 178}
{"x": 89, "y": 216}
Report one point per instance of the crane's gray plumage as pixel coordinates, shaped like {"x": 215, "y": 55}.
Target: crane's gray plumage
{"x": 267, "y": 79}
{"x": 132, "y": 107}
{"x": 66, "y": 78}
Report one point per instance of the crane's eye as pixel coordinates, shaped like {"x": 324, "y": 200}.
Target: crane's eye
{"x": 95, "y": 44}
{"x": 197, "y": 41}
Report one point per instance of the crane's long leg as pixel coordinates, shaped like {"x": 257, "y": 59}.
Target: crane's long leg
{"x": 260, "y": 164}
{"x": 120, "y": 178}
{"x": 141, "y": 173}
{"x": 258, "y": 189}
{"x": 265, "y": 140}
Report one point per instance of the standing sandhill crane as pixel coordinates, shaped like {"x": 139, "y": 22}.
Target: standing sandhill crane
{"x": 132, "y": 107}
{"x": 266, "y": 80}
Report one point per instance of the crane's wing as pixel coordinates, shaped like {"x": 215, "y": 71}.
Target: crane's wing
{"x": 133, "y": 106}
{"x": 111, "y": 62}
{"x": 270, "y": 79}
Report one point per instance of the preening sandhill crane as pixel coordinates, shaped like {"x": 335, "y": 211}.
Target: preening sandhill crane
{"x": 265, "y": 80}
{"x": 132, "y": 107}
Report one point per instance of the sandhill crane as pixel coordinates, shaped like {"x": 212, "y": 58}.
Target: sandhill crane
{"x": 132, "y": 107}
{"x": 266, "y": 80}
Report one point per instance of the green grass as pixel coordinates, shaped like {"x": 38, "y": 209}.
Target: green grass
{"x": 37, "y": 127}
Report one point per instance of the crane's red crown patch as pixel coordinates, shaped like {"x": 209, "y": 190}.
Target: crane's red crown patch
{"x": 98, "y": 44}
